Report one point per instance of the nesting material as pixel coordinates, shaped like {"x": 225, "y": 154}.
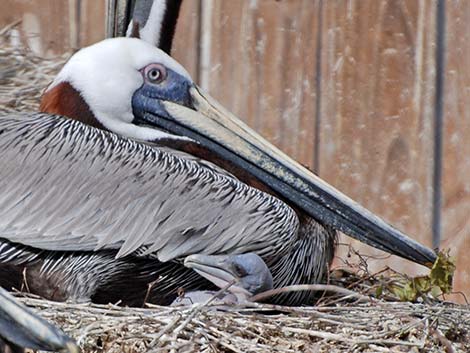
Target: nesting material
{"x": 23, "y": 75}
{"x": 374, "y": 326}
{"x": 342, "y": 322}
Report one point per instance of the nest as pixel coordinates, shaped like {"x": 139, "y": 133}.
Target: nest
{"x": 373, "y": 326}
{"x": 342, "y": 320}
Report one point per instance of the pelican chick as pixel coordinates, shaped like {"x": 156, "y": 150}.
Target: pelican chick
{"x": 245, "y": 274}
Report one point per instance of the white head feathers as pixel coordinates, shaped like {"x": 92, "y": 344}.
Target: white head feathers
{"x": 107, "y": 74}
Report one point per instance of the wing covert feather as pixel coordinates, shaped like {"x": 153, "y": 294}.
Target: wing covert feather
{"x": 69, "y": 187}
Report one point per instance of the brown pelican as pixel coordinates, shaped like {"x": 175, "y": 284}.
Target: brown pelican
{"x": 20, "y": 328}
{"x": 245, "y": 274}
{"x": 99, "y": 211}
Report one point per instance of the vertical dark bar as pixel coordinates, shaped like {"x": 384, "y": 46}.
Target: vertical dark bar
{"x": 438, "y": 123}
{"x": 168, "y": 29}
{"x": 128, "y": 15}
{"x": 318, "y": 77}
{"x": 197, "y": 77}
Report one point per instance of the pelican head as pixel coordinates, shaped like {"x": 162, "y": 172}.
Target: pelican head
{"x": 134, "y": 89}
{"x": 248, "y": 272}
{"x": 108, "y": 75}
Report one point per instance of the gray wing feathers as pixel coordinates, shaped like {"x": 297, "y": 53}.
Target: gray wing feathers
{"x": 67, "y": 186}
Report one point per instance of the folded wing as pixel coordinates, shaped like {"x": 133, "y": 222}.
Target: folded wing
{"x": 67, "y": 186}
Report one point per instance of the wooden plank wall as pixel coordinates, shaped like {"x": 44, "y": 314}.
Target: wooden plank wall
{"x": 345, "y": 87}
{"x": 377, "y": 116}
{"x": 52, "y": 27}
{"x": 456, "y": 141}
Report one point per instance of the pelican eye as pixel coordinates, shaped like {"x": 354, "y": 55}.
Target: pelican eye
{"x": 155, "y": 73}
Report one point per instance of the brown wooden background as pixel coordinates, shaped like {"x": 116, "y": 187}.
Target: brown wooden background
{"x": 349, "y": 88}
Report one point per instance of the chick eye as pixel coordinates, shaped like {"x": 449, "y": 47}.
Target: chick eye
{"x": 239, "y": 270}
{"x": 155, "y": 73}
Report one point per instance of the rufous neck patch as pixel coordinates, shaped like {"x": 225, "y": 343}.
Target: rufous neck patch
{"x": 65, "y": 100}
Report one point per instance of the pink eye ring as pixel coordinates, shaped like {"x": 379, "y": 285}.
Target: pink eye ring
{"x": 155, "y": 73}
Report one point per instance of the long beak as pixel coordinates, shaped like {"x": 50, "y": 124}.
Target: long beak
{"x": 215, "y": 268}
{"x": 217, "y": 129}
{"x": 21, "y": 327}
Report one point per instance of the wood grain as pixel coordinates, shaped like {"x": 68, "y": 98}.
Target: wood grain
{"x": 186, "y": 40}
{"x": 52, "y": 27}
{"x": 45, "y": 24}
{"x": 456, "y": 143}
{"x": 92, "y": 22}
{"x": 262, "y": 67}
{"x": 377, "y": 94}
